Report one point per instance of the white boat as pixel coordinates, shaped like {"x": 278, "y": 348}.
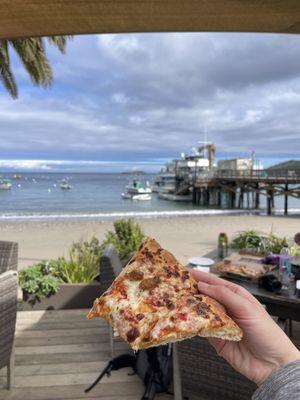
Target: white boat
{"x": 5, "y": 184}
{"x": 137, "y": 187}
{"x": 140, "y": 197}
{"x": 64, "y": 184}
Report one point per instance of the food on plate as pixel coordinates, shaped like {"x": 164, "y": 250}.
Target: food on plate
{"x": 155, "y": 301}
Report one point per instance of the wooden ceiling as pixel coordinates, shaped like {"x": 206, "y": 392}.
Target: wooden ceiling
{"x": 25, "y": 18}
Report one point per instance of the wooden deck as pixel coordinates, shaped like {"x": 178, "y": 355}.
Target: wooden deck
{"x": 58, "y": 354}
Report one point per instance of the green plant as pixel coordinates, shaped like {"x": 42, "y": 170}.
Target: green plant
{"x": 35, "y": 280}
{"x": 258, "y": 242}
{"x": 83, "y": 263}
{"x": 126, "y": 237}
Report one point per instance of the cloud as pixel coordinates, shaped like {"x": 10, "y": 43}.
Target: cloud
{"x": 152, "y": 96}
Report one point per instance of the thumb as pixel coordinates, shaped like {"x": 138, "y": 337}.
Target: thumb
{"x": 236, "y": 305}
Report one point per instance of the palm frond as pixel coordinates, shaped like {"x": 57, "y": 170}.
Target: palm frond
{"x": 32, "y": 54}
{"x": 59, "y": 41}
{"x": 6, "y": 76}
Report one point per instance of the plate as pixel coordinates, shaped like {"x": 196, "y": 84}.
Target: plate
{"x": 200, "y": 268}
{"x": 202, "y": 261}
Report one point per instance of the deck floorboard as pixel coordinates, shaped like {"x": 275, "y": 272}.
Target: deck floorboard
{"x": 59, "y": 353}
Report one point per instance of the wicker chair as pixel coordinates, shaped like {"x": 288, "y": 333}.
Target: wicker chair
{"x": 8, "y": 312}
{"x": 205, "y": 374}
{"x": 110, "y": 268}
{"x": 8, "y": 256}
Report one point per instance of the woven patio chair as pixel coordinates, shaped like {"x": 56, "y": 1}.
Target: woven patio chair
{"x": 206, "y": 375}
{"x": 110, "y": 268}
{"x": 8, "y": 313}
{"x": 8, "y": 256}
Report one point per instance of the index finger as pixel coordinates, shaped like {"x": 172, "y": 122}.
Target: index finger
{"x": 216, "y": 281}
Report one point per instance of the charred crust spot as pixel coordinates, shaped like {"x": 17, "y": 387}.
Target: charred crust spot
{"x": 148, "y": 254}
{"x": 140, "y": 316}
{"x": 141, "y": 246}
{"x": 149, "y": 283}
{"x": 135, "y": 275}
{"x": 159, "y": 251}
{"x": 176, "y": 288}
{"x": 131, "y": 261}
{"x": 151, "y": 269}
{"x": 132, "y": 334}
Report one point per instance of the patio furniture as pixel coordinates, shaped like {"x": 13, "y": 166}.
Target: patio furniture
{"x": 8, "y": 256}
{"x": 8, "y": 312}
{"x": 110, "y": 268}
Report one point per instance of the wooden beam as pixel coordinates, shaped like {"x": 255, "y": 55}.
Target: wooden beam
{"x": 59, "y": 17}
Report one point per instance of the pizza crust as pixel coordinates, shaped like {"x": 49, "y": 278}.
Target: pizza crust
{"x": 155, "y": 301}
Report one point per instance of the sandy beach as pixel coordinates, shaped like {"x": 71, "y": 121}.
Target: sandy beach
{"x": 184, "y": 236}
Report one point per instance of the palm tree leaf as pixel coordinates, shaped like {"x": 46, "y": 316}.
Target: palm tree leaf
{"x": 6, "y": 76}
{"x": 32, "y": 54}
{"x": 59, "y": 41}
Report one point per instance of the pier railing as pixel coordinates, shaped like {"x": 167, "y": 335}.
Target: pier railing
{"x": 288, "y": 175}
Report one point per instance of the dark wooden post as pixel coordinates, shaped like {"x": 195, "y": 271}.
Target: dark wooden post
{"x": 194, "y": 195}
{"x": 286, "y": 199}
{"x": 269, "y": 202}
{"x": 257, "y": 196}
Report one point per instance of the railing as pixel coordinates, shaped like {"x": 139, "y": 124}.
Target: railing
{"x": 260, "y": 174}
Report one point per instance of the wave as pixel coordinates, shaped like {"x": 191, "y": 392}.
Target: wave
{"x": 138, "y": 214}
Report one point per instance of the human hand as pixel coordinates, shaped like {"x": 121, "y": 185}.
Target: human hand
{"x": 265, "y": 348}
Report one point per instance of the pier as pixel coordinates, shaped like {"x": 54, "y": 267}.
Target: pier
{"x": 238, "y": 189}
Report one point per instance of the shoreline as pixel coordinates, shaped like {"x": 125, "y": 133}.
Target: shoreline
{"x": 85, "y": 216}
{"x": 186, "y": 236}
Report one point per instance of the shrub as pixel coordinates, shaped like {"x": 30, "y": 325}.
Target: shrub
{"x": 257, "y": 242}
{"x": 126, "y": 237}
{"x": 83, "y": 263}
{"x": 35, "y": 280}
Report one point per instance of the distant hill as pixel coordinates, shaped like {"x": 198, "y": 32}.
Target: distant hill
{"x": 286, "y": 165}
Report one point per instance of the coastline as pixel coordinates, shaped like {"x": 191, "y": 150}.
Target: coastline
{"x": 186, "y": 236}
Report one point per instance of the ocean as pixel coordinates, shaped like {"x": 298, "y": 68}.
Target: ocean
{"x": 37, "y": 196}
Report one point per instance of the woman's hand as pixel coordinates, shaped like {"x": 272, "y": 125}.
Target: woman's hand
{"x": 265, "y": 347}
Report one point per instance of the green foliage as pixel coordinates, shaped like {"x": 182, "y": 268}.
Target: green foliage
{"x": 258, "y": 242}
{"x": 36, "y": 280}
{"x": 83, "y": 263}
{"x": 126, "y": 237}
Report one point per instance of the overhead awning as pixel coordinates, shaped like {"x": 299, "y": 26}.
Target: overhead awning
{"x": 24, "y": 18}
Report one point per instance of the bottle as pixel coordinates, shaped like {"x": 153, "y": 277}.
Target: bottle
{"x": 222, "y": 245}
{"x": 284, "y": 258}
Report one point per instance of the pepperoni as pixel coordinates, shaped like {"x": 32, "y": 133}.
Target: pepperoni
{"x": 132, "y": 334}
{"x": 182, "y": 316}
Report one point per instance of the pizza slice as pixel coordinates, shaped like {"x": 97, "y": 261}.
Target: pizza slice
{"x": 155, "y": 301}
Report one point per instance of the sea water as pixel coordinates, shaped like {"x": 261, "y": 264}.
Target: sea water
{"x": 38, "y": 196}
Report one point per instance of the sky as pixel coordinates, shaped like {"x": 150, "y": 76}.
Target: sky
{"x": 121, "y": 101}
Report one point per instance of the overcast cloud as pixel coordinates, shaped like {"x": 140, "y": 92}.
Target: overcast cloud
{"x": 148, "y": 97}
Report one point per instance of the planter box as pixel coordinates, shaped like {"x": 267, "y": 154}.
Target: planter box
{"x": 69, "y": 296}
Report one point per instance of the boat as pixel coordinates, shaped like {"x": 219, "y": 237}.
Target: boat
{"x": 171, "y": 179}
{"x": 137, "y": 187}
{"x": 5, "y": 184}
{"x": 64, "y": 184}
{"x": 136, "y": 190}
{"x": 140, "y": 197}
{"x": 17, "y": 176}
